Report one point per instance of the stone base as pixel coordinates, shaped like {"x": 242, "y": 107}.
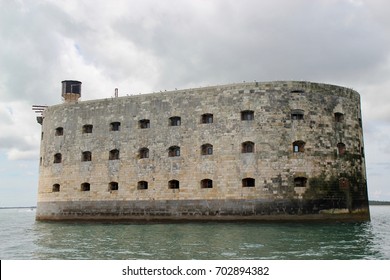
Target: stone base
{"x": 196, "y": 210}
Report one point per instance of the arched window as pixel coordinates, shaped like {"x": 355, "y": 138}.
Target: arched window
{"x": 300, "y": 182}
{"x": 338, "y": 117}
{"x": 115, "y": 126}
{"x": 57, "y": 158}
{"x": 175, "y": 121}
{"x": 85, "y": 187}
{"x": 143, "y": 153}
{"x": 248, "y": 182}
{"x": 248, "y": 147}
{"x": 299, "y": 146}
{"x": 207, "y": 149}
{"x": 207, "y": 118}
{"x": 173, "y": 184}
{"x": 59, "y": 131}
{"x": 113, "y": 155}
{"x": 142, "y": 185}
{"x": 206, "y": 184}
{"x": 341, "y": 148}
{"x": 297, "y": 114}
{"x": 174, "y": 151}
{"x": 56, "y": 188}
{"x": 86, "y": 156}
{"x": 247, "y": 115}
{"x": 144, "y": 123}
{"x": 87, "y": 128}
{"x": 113, "y": 186}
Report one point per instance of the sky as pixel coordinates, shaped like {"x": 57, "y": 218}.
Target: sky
{"x": 144, "y": 46}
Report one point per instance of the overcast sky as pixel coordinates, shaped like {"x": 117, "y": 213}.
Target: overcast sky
{"x": 142, "y": 46}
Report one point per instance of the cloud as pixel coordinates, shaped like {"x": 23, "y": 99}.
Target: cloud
{"x": 19, "y": 137}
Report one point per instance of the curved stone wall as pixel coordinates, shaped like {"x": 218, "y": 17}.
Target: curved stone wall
{"x": 276, "y": 150}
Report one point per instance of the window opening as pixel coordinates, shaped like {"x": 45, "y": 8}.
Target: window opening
{"x": 341, "y": 148}
{"x": 299, "y": 146}
{"x": 114, "y": 154}
{"x": 85, "y": 187}
{"x": 144, "y": 124}
{"x": 206, "y": 184}
{"x": 115, "y": 126}
{"x": 57, "y": 158}
{"x": 175, "y": 121}
{"x": 339, "y": 117}
{"x": 248, "y": 182}
{"x": 207, "y": 149}
{"x": 86, "y": 156}
{"x": 173, "y": 184}
{"x": 142, "y": 185}
{"x": 56, "y": 188}
{"x": 207, "y": 118}
{"x": 297, "y": 91}
{"x": 113, "y": 186}
{"x": 300, "y": 182}
{"x": 297, "y": 114}
{"x": 174, "y": 151}
{"x": 248, "y": 147}
{"x": 87, "y": 128}
{"x": 144, "y": 153}
{"x": 59, "y": 131}
{"x": 247, "y": 115}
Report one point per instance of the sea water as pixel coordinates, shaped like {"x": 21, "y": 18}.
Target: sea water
{"x": 21, "y": 237}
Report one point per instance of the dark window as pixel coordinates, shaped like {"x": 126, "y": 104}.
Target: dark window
{"x": 248, "y": 182}
{"x": 300, "y": 182}
{"x": 86, "y": 156}
{"x": 207, "y": 118}
{"x": 56, "y": 188}
{"x": 207, "y": 149}
{"x": 144, "y": 153}
{"x": 114, "y": 154}
{"x": 338, "y": 117}
{"x": 299, "y": 146}
{"x": 142, "y": 185}
{"x": 248, "y": 147}
{"x": 247, "y": 115}
{"x": 206, "y": 184}
{"x": 57, "y": 158}
{"x": 115, "y": 126}
{"x": 113, "y": 186}
{"x": 87, "y": 128}
{"x": 297, "y": 91}
{"x": 297, "y": 114}
{"x": 341, "y": 148}
{"x": 175, "y": 121}
{"x": 144, "y": 124}
{"x": 59, "y": 131}
{"x": 174, "y": 151}
{"x": 173, "y": 184}
{"x": 85, "y": 187}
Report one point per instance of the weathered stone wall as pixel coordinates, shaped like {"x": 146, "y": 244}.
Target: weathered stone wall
{"x": 327, "y": 172}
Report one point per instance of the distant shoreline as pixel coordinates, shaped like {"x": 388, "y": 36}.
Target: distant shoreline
{"x": 376, "y": 202}
{"x": 19, "y": 207}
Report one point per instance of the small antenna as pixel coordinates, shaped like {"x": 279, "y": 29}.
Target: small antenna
{"x": 116, "y": 92}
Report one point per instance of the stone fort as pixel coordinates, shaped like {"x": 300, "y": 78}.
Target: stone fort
{"x": 284, "y": 150}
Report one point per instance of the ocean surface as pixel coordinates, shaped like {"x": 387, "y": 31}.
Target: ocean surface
{"x": 21, "y": 237}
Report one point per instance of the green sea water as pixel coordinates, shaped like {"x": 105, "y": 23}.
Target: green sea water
{"x": 21, "y": 237}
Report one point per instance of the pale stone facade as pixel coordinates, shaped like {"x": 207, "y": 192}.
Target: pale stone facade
{"x": 275, "y": 150}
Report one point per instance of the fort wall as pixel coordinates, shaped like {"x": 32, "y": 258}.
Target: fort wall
{"x": 276, "y": 150}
